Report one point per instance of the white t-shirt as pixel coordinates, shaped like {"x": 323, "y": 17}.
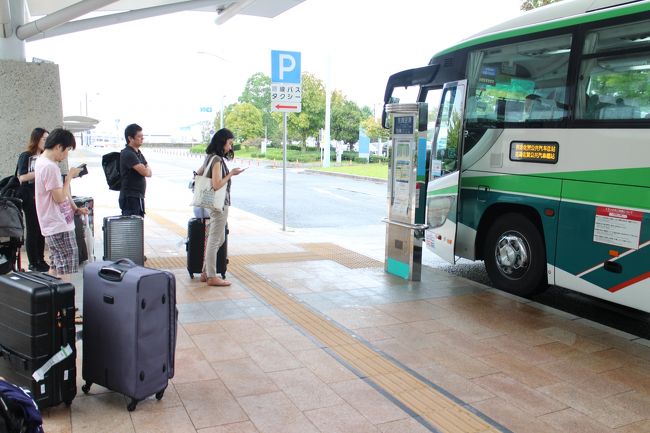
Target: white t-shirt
{"x": 53, "y": 217}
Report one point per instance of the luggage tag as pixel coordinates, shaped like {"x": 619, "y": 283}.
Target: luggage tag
{"x": 59, "y": 356}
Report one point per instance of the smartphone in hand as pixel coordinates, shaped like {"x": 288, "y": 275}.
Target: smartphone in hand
{"x": 83, "y": 168}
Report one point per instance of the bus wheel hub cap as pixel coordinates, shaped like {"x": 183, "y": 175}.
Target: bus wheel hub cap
{"x": 511, "y": 254}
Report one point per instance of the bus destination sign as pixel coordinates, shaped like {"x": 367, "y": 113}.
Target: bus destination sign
{"x": 534, "y": 151}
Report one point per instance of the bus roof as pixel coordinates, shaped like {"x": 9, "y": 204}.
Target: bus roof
{"x": 554, "y": 16}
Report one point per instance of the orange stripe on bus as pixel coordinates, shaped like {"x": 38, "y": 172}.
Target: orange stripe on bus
{"x": 623, "y": 285}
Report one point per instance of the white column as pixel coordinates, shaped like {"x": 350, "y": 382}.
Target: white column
{"x": 328, "y": 100}
{"x": 12, "y": 15}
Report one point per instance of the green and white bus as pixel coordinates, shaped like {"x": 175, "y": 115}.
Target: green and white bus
{"x": 540, "y": 150}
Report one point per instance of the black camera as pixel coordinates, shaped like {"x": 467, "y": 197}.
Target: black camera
{"x": 84, "y": 170}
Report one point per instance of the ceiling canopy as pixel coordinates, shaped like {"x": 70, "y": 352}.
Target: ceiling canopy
{"x": 69, "y": 16}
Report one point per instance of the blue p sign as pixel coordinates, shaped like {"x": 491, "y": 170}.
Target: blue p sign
{"x": 285, "y": 67}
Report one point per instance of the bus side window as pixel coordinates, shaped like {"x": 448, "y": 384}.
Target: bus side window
{"x": 616, "y": 84}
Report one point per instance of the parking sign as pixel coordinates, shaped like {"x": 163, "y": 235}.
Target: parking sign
{"x": 286, "y": 81}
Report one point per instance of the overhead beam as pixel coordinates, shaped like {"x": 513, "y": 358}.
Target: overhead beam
{"x": 60, "y": 17}
{"x": 232, "y": 10}
{"x": 123, "y": 17}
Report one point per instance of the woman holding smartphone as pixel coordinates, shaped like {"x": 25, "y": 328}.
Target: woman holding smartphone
{"x": 34, "y": 240}
{"x": 218, "y": 151}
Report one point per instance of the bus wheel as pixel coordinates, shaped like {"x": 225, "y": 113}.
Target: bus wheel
{"x": 515, "y": 258}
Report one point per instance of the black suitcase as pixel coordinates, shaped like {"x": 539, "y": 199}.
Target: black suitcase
{"x": 124, "y": 238}
{"x": 36, "y": 322}
{"x": 129, "y": 336}
{"x": 195, "y": 246}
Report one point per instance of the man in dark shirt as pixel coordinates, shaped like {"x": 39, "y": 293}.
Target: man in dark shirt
{"x": 133, "y": 169}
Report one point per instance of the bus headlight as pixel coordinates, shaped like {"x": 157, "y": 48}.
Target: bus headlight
{"x": 437, "y": 210}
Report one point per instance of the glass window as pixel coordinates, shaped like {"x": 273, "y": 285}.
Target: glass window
{"x": 448, "y": 132}
{"x": 519, "y": 83}
{"x": 613, "y": 86}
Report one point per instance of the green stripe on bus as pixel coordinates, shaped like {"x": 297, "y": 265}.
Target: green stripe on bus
{"x": 616, "y": 195}
{"x": 626, "y": 176}
{"x": 557, "y": 24}
{"x": 582, "y": 186}
{"x": 443, "y": 191}
{"x": 397, "y": 268}
{"x": 532, "y": 185}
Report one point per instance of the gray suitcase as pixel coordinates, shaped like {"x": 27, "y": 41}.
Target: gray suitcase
{"x": 124, "y": 238}
{"x": 129, "y": 330}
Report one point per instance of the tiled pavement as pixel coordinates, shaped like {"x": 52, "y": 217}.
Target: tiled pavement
{"x": 269, "y": 354}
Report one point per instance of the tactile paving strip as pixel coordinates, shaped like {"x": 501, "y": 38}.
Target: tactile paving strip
{"x": 437, "y": 409}
{"x": 440, "y": 411}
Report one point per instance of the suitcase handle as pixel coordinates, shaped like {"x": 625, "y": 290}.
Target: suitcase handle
{"x": 116, "y": 273}
{"x": 111, "y": 274}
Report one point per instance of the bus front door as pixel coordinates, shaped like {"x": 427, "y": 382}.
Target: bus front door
{"x": 444, "y": 185}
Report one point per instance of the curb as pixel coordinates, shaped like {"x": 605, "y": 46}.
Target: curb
{"x": 352, "y": 176}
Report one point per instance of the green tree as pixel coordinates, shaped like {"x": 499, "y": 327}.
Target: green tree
{"x": 245, "y": 121}
{"x": 311, "y": 119}
{"x": 345, "y": 120}
{"x": 258, "y": 92}
{"x": 374, "y": 130}
{"x": 527, "y": 5}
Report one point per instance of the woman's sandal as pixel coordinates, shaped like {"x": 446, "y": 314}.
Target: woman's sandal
{"x": 216, "y": 281}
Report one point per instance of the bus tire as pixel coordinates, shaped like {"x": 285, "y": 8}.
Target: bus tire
{"x": 515, "y": 255}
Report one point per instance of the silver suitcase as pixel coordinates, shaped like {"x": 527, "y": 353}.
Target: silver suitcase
{"x": 124, "y": 238}
{"x": 129, "y": 330}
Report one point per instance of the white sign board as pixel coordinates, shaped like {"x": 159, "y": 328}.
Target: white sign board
{"x": 620, "y": 227}
{"x": 286, "y": 82}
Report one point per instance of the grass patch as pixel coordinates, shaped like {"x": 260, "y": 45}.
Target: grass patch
{"x": 377, "y": 171}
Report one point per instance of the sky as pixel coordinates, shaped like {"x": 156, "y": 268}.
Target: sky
{"x": 160, "y": 71}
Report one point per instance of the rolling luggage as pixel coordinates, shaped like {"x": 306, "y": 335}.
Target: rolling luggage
{"x": 197, "y": 237}
{"x": 129, "y": 329}
{"x": 124, "y": 238}
{"x": 37, "y": 336}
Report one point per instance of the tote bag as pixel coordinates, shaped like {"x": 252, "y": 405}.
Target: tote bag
{"x": 205, "y": 196}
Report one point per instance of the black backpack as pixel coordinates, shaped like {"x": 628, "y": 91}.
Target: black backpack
{"x": 111, "y": 166}
{"x": 10, "y": 187}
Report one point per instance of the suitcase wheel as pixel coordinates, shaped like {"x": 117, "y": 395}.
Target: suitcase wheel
{"x": 159, "y": 394}
{"x": 86, "y": 387}
{"x": 131, "y": 406}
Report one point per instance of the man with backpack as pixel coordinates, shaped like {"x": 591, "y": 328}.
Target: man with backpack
{"x": 133, "y": 171}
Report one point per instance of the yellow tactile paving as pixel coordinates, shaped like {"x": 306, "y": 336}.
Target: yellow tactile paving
{"x": 436, "y": 408}
{"x": 433, "y": 406}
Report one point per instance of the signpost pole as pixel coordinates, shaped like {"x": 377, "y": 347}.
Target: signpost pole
{"x": 284, "y": 176}
{"x": 286, "y": 97}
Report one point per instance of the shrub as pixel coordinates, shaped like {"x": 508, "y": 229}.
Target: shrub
{"x": 378, "y": 159}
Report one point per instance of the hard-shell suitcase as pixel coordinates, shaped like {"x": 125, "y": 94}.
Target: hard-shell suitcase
{"x": 197, "y": 237}
{"x": 129, "y": 336}
{"x": 124, "y": 238}
{"x": 37, "y": 336}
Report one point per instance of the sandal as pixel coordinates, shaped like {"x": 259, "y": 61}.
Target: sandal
{"x": 216, "y": 281}
{"x": 204, "y": 277}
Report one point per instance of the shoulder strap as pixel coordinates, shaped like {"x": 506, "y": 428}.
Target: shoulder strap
{"x": 207, "y": 172}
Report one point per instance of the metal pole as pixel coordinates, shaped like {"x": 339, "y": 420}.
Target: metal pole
{"x": 284, "y": 177}
{"x": 221, "y": 116}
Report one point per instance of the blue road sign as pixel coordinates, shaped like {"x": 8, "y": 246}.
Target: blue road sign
{"x": 285, "y": 67}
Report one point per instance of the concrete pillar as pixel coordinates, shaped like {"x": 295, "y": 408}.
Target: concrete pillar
{"x": 30, "y": 96}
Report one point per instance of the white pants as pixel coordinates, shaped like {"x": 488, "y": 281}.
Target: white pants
{"x": 216, "y": 238}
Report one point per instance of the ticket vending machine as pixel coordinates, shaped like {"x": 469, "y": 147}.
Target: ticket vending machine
{"x": 407, "y": 179}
